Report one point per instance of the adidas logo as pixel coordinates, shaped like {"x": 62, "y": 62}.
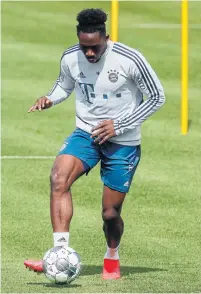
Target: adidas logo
{"x": 81, "y": 75}
{"x": 126, "y": 184}
{"x": 62, "y": 239}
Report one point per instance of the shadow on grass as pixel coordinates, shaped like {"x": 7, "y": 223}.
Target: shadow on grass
{"x": 89, "y": 270}
{"x": 52, "y": 285}
{"x": 189, "y": 123}
{"x": 125, "y": 270}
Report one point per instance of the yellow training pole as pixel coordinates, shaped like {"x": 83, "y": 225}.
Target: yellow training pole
{"x": 114, "y": 20}
{"x": 184, "y": 67}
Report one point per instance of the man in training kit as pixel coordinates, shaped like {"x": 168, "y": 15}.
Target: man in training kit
{"x": 109, "y": 79}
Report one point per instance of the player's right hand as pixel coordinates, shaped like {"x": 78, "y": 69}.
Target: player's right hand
{"x": 41, "y": 103}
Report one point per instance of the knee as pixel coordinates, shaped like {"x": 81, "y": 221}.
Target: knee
{"x": 109, "y": 214}
{"x": 59, "y": 182}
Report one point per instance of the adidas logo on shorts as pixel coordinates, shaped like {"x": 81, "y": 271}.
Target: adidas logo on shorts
{"x": 126, "y": 184}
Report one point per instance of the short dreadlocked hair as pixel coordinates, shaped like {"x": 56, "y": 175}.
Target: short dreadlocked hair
{"x": 91, "y": 21}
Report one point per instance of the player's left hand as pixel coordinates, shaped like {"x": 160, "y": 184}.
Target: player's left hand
{"x": 103, "y": 131}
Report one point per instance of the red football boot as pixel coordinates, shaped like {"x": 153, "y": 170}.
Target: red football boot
{"x": 34, "y": 265}
{"x": 111, "y": 269}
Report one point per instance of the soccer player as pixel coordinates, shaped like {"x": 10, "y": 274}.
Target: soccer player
{"x": 110, "y": 80}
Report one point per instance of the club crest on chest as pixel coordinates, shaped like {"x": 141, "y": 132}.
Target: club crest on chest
{"x": 113, "y": 76}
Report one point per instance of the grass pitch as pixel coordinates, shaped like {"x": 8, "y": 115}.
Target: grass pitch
{"x": 160, "y": 249}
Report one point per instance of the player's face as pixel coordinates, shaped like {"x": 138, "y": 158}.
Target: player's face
{"x": 93, "y": 45}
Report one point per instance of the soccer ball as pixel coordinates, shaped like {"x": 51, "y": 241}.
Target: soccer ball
{"x": 61, "y": 265}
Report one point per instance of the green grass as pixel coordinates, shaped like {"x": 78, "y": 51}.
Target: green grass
{"x": 160, "y": 249}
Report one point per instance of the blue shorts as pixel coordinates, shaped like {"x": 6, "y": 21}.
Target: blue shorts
{"x": 118, "y": 162}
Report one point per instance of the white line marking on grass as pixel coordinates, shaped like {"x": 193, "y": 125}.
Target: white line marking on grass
{"x": 163, "y": 26}
{"x": 26, "y": 157}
